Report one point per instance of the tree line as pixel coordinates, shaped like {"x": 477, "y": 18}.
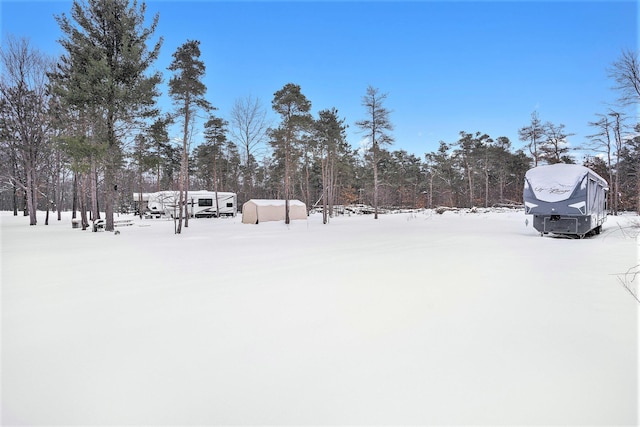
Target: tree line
{"x": 83, "y": 132}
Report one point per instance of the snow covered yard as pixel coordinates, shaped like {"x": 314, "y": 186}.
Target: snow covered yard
{"x": 415, "y": 318}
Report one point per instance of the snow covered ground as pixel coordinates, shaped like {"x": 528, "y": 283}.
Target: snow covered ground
{"x": 416, "y": 318}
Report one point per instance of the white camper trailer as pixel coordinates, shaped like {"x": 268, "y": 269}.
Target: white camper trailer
{"x": 162, "y": 203}
{"x": 211, "y": 204}
{"x": 200, "y": 204}
{"x": 140, "y": 202}
{"x": 565, "y": 199}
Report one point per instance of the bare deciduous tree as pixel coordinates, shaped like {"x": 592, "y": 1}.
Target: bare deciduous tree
{"x": 601, "y": 142}
{"x": 24, "y": 98}
{"x": 626, "y": 73}
{"x": 616, "y": 127}
{"x": 248, "y": 128}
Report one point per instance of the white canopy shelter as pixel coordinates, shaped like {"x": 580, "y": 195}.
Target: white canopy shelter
{"x": 260, "y": 210}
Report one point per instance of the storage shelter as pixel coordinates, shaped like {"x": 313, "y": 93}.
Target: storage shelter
{"x": 260, "y": 210}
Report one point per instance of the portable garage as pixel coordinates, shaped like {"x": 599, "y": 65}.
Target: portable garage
{"x": 260, "y": 210}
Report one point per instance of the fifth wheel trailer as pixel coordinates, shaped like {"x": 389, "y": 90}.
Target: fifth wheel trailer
{"x": 565, "y": 199}
{"x": 200, "y": 204}
{"x": 211, "y": 204}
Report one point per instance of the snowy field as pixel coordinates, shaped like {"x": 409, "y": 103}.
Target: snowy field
{"x": 416, "y": 318}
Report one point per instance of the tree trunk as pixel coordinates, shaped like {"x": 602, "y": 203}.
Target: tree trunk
{"x": 46, "y": 217}
{"x": 183, "y": 211}
{"x": 470, "y": 178}
{"x": 109, "y": 192}
{"x": 14, "y": 197}
{"x": 180, "y": 204}
{"x": 110, "y": 170}
{"x": 638, "y": 191}
{"x": 83, "y": 201}
{"x": 32, "y": 197}
{"x": 486, "y": 188}
{"x": 25, "y": 203}
{"x": 14, "y": 188}
{"x": 333, "y": 183}
{"x": 93, "y": 188}
{"x": 184, "y": 166}
{"x": 325, "y": 189}
{"x": 74, "y": 195}
{"x": 431, "y": 191}
{"x": 158, "y": 178}
{"x": 307, "y": 191}
{"x": 215, "y": 181}
{"x": 375, "y": 181}
{"x": 287, "y": 165}
{"x": 58, "y": 186}
{"x": 187, "y": 214}
{"x": 140, "y": 192}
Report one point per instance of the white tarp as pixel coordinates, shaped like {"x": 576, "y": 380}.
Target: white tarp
{"x": 553, "y": 183}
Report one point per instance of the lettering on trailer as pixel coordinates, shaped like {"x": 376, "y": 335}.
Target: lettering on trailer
{"x": 552, "y": 190}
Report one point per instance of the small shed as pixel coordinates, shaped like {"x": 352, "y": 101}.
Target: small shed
{"x": 260, "y": 210}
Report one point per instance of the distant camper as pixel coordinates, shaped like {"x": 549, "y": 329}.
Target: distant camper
{"x": 565, "y": 199}
{"x": 200, "y": 204}
{"x": 203, "y": 204}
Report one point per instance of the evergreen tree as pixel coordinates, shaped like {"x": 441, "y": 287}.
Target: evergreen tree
{"x": 471, "y": 152}
{"x": 500, "y": 157}
{"x": 215, "y": 135}
{"x": 555, "y": 147}
{"x": 329, "y": 133}
{"x": 159, "y": 150}
{"x": 445, "y": 179}
{"x": 187, "y": 90}
{"x": 293, "y": 108}
{"x": 533, "y": 134}
{"x": 376, "y": 127}
{"x": 629, "y": 171}
{"x": 102, "y": 73}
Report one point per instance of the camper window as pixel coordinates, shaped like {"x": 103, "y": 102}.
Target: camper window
{"x": 205, "y": 202}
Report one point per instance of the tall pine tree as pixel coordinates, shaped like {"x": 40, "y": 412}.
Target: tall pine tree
{"x": 103, "y": 73}
{"x": 215, "y": 135}
{"x": 376, "y": 127}
{"x": 294, "y": 108}
{"x": 187, "y": 90}
{"x": 329, "y": 134}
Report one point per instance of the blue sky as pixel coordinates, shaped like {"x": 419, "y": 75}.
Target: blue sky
{"x": 447, "y": 66}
